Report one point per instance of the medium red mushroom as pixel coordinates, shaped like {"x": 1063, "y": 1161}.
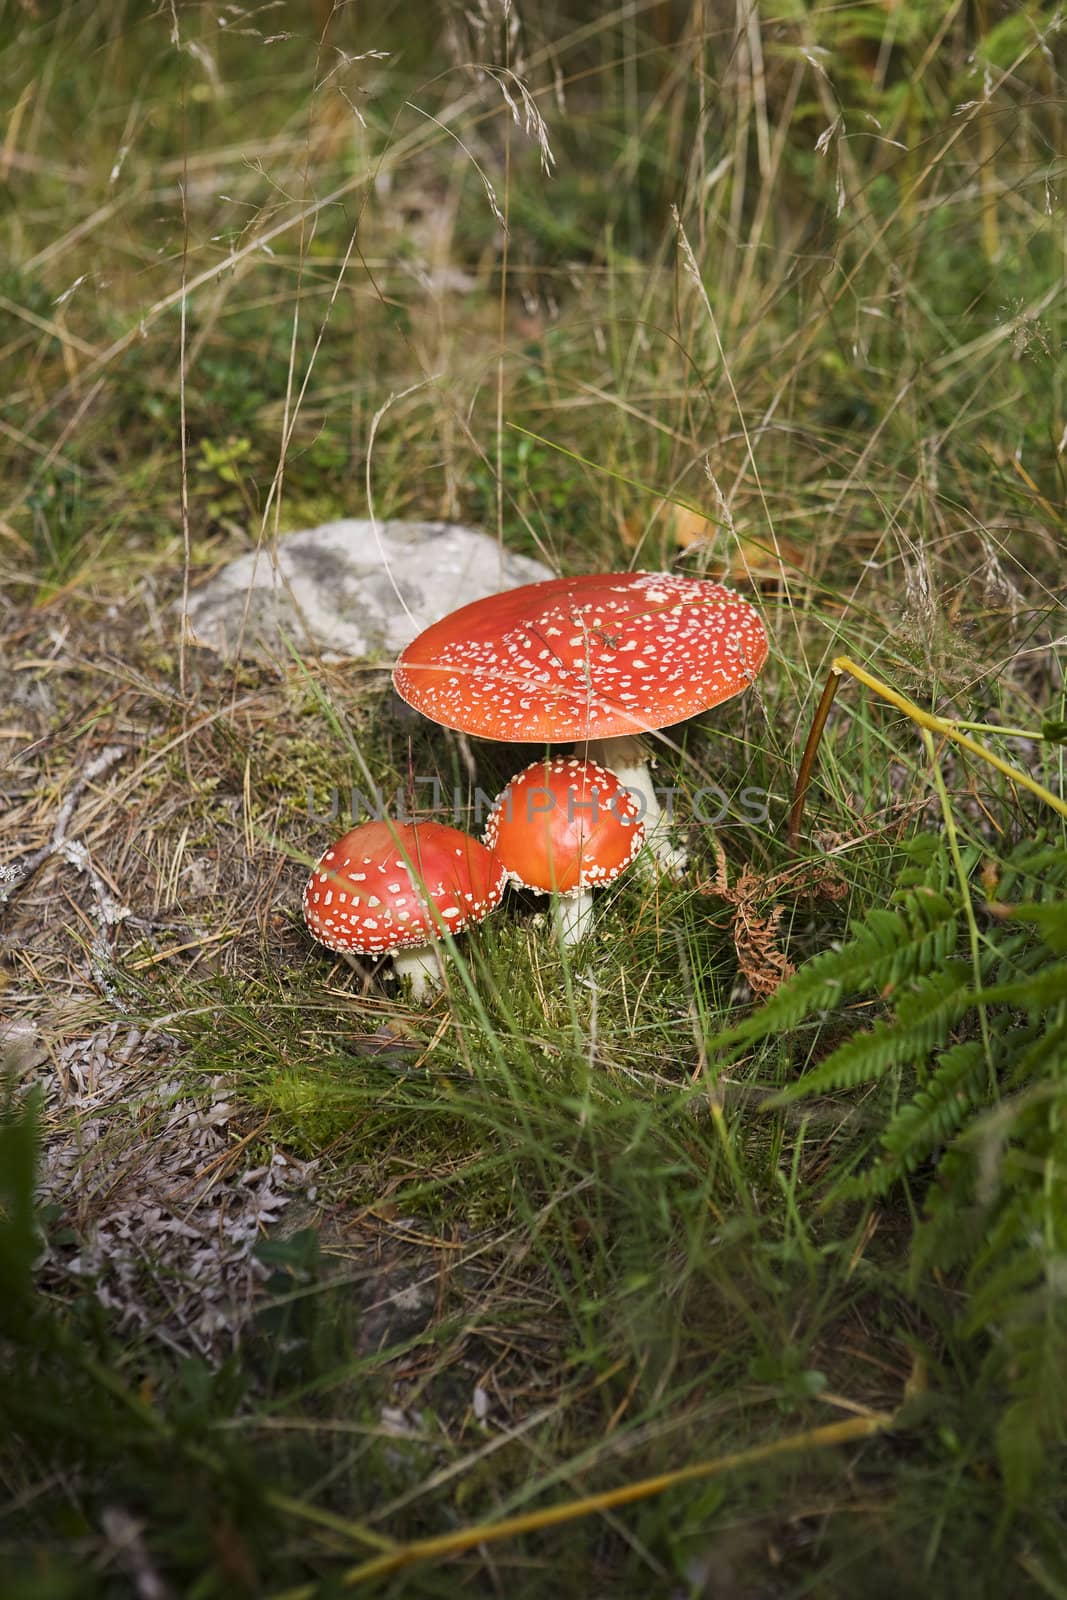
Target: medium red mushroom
{"x": 596, "y": 659}
{"x": 563, "y": 827}
{"x": 394, "y": 888}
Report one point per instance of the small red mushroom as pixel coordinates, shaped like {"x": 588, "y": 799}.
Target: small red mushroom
{"x": 564, "y": 826}
{"x": 393, "y": 888}
{"x": 596, "y": 659}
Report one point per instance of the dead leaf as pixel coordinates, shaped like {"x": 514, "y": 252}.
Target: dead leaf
{"x": 763, "y": 964}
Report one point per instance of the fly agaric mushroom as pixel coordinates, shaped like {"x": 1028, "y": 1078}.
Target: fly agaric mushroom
{"x": 563, "y": 826}
{"x": 394, "y": 888}
{"x": 597, "y": 659}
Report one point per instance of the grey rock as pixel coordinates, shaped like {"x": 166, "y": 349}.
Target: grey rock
{"x": 351, "y": 588}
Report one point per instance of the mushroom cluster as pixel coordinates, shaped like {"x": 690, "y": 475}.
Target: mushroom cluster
{"x": 595, "y": 661}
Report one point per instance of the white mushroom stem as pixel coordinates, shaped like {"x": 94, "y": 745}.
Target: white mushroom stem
{"x": 423, "y": 966}
{"x": 625, "y": 757}
{"x": 573, "y": 915}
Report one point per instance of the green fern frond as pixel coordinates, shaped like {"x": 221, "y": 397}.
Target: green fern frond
{"x": 939, "y": 1109}
{"x": 969, "y": 1062}
{"x": 1033, "y": 865}
{"x": 1047, "y": 1051}
{"x": 922, "y": 1124}
{"x": 1021, "y": 1445}
{"x": 1050, "y": 918}
{"x": 931, "y": 1005}
{"x": 1039, "y": 992}
{"x": 888, "y": 949}
{"x": 953, "y": 1223}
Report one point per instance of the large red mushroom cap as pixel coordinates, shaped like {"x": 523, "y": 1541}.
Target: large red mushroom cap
{"x": 389, "y": 886}
{"x": 564, "y": 825}
{"x": 591, "y": 657}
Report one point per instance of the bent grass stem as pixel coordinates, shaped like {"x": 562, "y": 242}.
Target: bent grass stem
{"x": 924, "y": 719}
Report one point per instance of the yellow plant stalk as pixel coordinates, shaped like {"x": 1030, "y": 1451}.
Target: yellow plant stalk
{"x": 948, "y": 730}
{"x": 925, "y": 719}
{"x": 451, "y": 1544}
